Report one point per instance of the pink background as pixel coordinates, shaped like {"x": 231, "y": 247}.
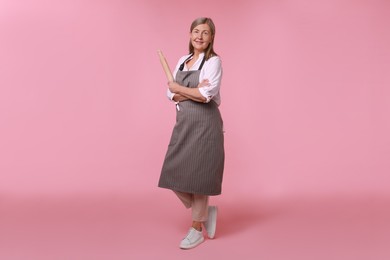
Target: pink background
{"x": 305, "y": 102}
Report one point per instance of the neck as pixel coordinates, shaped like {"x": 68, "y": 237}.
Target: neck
{"x": 196, "y": 54}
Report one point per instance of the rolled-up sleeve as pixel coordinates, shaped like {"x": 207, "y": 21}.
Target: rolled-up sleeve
{"x": 170, "y": 94}
{"x": 212, "y": 72}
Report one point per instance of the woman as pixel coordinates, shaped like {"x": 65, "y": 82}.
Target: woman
{"x": 193, "y": 165}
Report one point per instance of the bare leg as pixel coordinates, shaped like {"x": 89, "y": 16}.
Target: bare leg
{"x": 197, "y": 225}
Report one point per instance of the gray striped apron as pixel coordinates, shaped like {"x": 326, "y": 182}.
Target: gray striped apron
{"x": 194, "y": 161}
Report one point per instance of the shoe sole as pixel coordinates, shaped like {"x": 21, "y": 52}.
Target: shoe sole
{"x": 213, "y": 216}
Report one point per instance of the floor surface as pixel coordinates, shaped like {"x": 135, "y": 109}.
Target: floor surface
{"x": 140, "y": 227}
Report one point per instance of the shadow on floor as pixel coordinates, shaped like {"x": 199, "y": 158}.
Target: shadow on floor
{"x": 237, "y": 217}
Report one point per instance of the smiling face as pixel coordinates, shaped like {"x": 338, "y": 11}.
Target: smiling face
{"x": 201, "y": 37}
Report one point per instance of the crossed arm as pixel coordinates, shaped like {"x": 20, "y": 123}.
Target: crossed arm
{"x": 183, "y": 93}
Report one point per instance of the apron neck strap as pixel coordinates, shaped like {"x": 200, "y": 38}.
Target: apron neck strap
{"x": 200, "y": 67}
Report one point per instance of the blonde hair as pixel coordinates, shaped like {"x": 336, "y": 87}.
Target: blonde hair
{"x": 209, "y": 52}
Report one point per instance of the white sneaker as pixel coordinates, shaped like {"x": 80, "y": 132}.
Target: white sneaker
{"x": 193, "y": 239}
{"x": 211, "y": 223}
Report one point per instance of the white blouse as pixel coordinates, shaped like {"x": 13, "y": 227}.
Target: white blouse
{"x": 212, "y": 70}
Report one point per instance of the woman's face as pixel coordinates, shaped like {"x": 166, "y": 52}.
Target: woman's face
{"x": 201, "y": 37}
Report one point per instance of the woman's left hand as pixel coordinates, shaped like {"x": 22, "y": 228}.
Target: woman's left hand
{"x": 173, "y": 86}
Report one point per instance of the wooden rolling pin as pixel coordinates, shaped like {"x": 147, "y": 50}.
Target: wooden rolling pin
{"x": 165, "y": 66}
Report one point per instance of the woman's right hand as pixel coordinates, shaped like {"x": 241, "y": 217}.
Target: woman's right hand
{"x": 204, "y": 83}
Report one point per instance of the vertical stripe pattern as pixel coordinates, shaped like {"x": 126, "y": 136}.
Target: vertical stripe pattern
{"x": 194, "y": 161}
